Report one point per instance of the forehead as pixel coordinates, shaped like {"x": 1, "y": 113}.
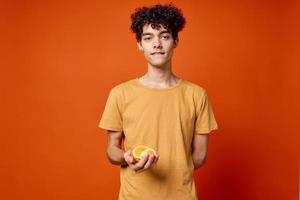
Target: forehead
{"x": 148, "y": 30}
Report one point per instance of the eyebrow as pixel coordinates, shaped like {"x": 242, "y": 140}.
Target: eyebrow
{"x": 147, "y": 33}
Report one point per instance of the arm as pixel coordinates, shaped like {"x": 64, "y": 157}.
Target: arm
{"x": 114, "y": 151}
{"x": 199, "y": 149}
{"x": 118, "y": 156}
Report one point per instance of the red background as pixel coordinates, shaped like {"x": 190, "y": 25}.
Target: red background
{"x": 59, "y": 59}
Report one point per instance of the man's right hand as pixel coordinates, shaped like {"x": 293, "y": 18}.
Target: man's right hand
{"x": 144, "y": 164}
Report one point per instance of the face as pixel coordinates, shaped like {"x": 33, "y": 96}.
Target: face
{"x": 157, "y": 45}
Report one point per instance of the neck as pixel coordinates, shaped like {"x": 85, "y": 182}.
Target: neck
{"x": 160, "y": 75}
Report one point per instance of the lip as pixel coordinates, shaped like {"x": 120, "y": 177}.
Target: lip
{"x": 158, "y": 53}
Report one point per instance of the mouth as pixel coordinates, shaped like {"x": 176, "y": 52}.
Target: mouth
{"x": 157, "y": 53}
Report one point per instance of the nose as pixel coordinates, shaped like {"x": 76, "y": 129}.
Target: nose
{"x": 156, "y": 43}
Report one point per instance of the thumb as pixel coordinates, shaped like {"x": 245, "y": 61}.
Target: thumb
{"x": 128, "y": 156}
{"x": 131, "y": 158}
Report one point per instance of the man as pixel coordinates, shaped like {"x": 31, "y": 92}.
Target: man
{"x": 159, "y": 110}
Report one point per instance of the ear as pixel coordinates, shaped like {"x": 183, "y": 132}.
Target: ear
{"x": 139, "y": 44}
{"x": 176, "y": 43}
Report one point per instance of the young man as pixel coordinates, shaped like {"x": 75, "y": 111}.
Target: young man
{"x": 159, "y": 110}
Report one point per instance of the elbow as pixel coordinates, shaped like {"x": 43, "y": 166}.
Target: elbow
{"x": 110, "y": 157}
{"x": 199, "y": 162}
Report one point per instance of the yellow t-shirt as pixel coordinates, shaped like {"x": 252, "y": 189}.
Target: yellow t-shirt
{"x": 165, "y": 120}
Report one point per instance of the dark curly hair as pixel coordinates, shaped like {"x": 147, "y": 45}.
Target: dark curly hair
{"x": 170, "y": 17}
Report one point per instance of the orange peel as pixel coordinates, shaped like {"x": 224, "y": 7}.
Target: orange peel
{"x": 139, "y": 151}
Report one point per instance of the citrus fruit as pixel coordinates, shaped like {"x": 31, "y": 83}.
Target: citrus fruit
{"x": 139, "y": 151}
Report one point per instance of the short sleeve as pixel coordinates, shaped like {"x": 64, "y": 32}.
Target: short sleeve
{"x": 205, "y": 120}
{"x": 112, "y": 115}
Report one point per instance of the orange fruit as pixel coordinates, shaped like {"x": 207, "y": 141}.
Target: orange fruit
{"x": 139, "y": 151}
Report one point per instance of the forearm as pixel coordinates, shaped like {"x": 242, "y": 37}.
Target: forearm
{"x": 116, "y": 155}
{"x": 198, "y": 162}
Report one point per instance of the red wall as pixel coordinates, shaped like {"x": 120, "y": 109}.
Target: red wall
{"x": 59, "y": 59}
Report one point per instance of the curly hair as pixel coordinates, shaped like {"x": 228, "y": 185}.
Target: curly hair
{"x": 170, "y": 17}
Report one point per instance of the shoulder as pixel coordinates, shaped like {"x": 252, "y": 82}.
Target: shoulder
{"x": 122, "y": 87}
{"x": 196, "y": 88}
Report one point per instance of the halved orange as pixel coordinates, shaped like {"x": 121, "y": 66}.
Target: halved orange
{"x": 139, "y": 151}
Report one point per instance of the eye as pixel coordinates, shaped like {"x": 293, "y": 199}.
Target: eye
{"x": 166, "y": 37}
{"x": 147, "y": 38}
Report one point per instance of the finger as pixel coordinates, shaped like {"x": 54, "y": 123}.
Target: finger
{"x": 149, "y": 162}
{"x": 128, "y": 157}
{"x": 127, "y": 153}
{"x": 156, "y": 158}
{"x": 132, "y": 160}
{"x": 140, "y": 165}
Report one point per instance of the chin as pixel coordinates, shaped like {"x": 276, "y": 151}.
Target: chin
{"x": 158, "y": 64}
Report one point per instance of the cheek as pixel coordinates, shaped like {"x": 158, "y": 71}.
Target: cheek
{"x": 170, "y": 50}
{"x": 147, "y": 56}
{"x": 169, "y": 47}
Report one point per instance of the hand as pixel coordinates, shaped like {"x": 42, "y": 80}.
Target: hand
{"x": 145, "y": 163}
